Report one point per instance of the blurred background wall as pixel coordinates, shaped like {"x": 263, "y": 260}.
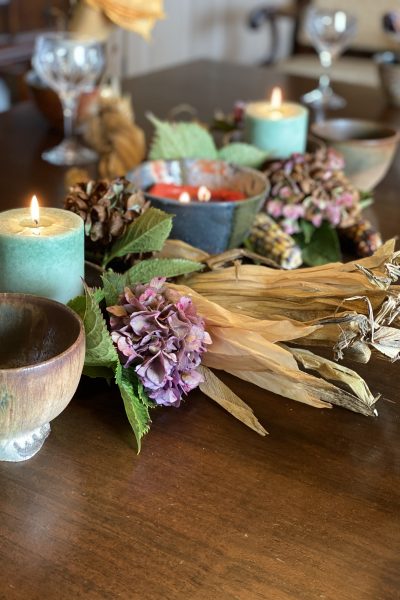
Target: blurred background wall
{"x": 200, "y": 29}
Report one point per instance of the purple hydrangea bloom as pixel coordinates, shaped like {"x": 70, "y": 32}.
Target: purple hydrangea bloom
{"x": 162, "y": 336}
{"x": 333, "y": 214}
{"x": 293, "y": 211}
{"x": 274, "y": 208}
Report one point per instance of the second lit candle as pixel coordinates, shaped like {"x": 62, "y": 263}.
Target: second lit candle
{"x": 279, "y": 128}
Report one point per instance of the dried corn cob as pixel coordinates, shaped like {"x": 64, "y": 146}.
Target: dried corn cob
{"x": 363, "y": 236}
{"x": 268, "y": 239}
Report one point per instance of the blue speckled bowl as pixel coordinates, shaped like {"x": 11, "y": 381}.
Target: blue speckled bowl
{"x": 212, "y": 226}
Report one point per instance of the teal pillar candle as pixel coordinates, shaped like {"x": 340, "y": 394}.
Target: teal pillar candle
{"x": 45, "y": 256}
{"x": 279, "y": 131}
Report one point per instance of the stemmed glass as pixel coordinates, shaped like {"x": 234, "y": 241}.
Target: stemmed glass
{"x": 69, "y": 65}
{"x": 330, "y": 32}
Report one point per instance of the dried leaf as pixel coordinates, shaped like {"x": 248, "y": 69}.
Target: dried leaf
{"x": 359, "y": 397}
{"x": 215, "y": 389}
{"x": 179, "y": 249}
{"x": 387, "y": 341}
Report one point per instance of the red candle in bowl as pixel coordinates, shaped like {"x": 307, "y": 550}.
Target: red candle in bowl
{"x": 213, "y": 202}
{"x": 200, "y": 193}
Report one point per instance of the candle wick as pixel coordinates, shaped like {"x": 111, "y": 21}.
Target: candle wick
{"x": 36, "y": 222}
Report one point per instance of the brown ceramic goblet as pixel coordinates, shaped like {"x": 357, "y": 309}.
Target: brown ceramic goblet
{"x": 42, "y": 351}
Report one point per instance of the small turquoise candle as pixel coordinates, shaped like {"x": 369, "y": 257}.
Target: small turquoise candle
{"x": 42, "y": 254}
{"x": 279, "y": 128}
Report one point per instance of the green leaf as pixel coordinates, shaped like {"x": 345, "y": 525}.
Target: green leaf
{"x": 146, "y": 234}
{"x": 243, "y": 154}
{"x": 78, "y": 305}
{"x": 100, "y": 350}
{"x": 324, "y": 246}
{"x": 307, "y": 229}
{"x": 95, "y": 372}
{"x": 160, "y": 267}
{"x": 136, "y": 411}
{"x": 98, "y": 295}
{"x": 114, "y": 284}
{"x": 141, "y": 392}
{"x": 138, "y": 387}
{"x": 180, "y": 140}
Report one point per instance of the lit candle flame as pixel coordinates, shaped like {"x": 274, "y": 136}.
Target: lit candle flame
{"x": 276, "y": 98}
{"x": 184, "y": 198}
{"x": 35, "y": 210}
{"x": 203, "y": 194}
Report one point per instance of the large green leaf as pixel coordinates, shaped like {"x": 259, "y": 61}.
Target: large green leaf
{"x": 180, "y": 140}
{"x": 143, "y": 272}
{"x": 308, "y": 230}
{"x": 114, "y": 284}
{"x": 160, "y": 267}
{"x": 245, "y": 155}
{"x": 323, "y": 246}
{"x": 142, "y": 394}
{"x": 146, "y": 234}
{"x": 96, "y": 372}
{"x": 136, "y": 411}
{"x": 100, "y": 350}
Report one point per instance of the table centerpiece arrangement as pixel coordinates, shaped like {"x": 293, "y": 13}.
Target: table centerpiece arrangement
{"x": 159, "y": 340}
{"x": 162, "y": 317}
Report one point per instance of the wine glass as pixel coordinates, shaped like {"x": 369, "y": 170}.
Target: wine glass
{"x": 69, "y": 65}
{"x": 330, "y": 32}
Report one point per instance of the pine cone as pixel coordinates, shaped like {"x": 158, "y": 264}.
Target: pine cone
{"x": 107, "y": 208}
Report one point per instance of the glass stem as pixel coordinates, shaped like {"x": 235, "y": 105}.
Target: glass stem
{"x": 325, "y": 79}
{"x": 69, "y": 107}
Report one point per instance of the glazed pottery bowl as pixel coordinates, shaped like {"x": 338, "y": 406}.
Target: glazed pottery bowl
{"x": 42, "y": 352}
{"x": 368, "y": 148}
{"x": 211, "y": 226}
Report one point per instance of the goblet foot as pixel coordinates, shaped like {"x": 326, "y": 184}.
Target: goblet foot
{"x": 24, "y": 445}
{"x": 323, "y": 99}
{"x": 70, "y": 152}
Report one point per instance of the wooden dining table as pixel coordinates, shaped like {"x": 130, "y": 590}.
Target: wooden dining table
{"x": 208, "y": 510}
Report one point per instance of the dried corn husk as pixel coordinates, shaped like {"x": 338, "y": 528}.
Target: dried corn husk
{"x": 318, "y": 297}
{"x": 179, "y": 249}
{"x": 333, "y": 295}
{"x": 215, "y": 389}
{"x": 248, "y": 348}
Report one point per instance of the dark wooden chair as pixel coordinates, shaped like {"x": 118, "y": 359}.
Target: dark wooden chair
{"x": 20, "y": 22}
{"x": 357, "y": 65}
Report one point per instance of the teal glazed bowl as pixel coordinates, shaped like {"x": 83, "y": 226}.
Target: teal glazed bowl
{"x": 211, "y": 226}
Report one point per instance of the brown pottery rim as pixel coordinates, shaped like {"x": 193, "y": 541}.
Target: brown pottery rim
{"x": 44, "y": 301}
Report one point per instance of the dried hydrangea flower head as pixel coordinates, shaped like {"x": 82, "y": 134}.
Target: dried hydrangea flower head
{"x": 162, "y": 336}
{"x": 312, "y": 187}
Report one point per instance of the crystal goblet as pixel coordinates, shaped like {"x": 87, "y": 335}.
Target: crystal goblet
{"x": 330, "y": 32}
{"x": 69, "y": 65}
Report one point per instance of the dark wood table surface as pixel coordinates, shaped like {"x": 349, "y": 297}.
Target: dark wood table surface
{"x": 209, "y": 510}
